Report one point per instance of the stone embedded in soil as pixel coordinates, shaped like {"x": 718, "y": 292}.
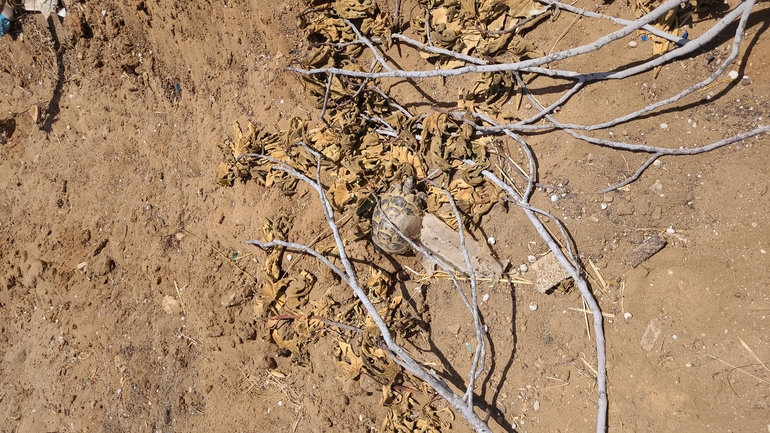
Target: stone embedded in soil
{"x": 651, "y": 334}
{"x": 548, "y": 272}
{"x": 647, "y": 249}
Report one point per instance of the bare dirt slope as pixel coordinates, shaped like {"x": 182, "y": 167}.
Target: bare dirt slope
{"x": 109, "y": 212}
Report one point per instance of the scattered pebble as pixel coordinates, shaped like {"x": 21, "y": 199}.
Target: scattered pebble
{"x": 664, "y": 125}
{"x": 531, "y": 259}
{"x": 650, "y": 335}
{"x": 688, "y": 365}
{"x": 627, "y": 316}
{"x": 523, "y": 268}
{"x": 604, "y": 206}
{"x": 536, "y": 405}
{"x": 633, "y": 44}
{"x": 733, "y": 74}
{"x": 670, "y": 230}
{"x": 657, "y": 163}
{"x": 554, "y": 198}
{"x": 82, "y": 266}
{"x": 533, "y": 306}
{"x": 288, "y": 257}
{"x": 485, "y": 298}
{"x": 491, "y": 240}
{"x": 745, "y": 81}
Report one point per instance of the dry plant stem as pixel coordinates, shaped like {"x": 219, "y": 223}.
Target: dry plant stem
{"x": 523, "y": 125}
{"x": 397, "y": 353}
{"x": 742, "y": 9}
{"x": 479, "y": 354}
{"x": 326, "y": 99}
{"x": 437, "y": 50}
{"x": 376, "y": 53}
{"x": 654, "y": 30}
{"x": 655, "y": 150}
{"x": 725, "y": 64}
{"x": 576, "y": 272}
{"x": 527, "y": 65}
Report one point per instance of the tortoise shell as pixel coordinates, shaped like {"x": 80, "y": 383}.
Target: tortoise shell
{"x": 404, "y": 209}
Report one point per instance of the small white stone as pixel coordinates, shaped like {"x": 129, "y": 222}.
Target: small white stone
{"x": 533, "y": 306}
{"x": 603, "y": 206}
{"x": 674, "y": 336}
{"x": 664, "y": 125}
{"x": 670, "y": 230}
{"x": 633, "y": 44}
{"x": 554, "y": 198}
{"x": 288, "y": 257}
{"x": 491, "y": 240}
{"x": 536, "y": 405}
{"x": 531, "y": 259}
{"x": 733, "y": 74}
{"x": 523, "y": 268}
{"x": 627, "y": 316}
{"x": 657, "y": 163}
{"x": 485, "y": 298}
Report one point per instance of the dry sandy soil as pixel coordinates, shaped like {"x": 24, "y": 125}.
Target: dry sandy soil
{"x": 134, "y": 99}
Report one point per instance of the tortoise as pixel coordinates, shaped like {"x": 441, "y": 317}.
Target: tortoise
{"x": 403, "y": 207}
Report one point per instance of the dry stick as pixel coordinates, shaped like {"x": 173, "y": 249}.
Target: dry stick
{"x": 397, "y": 353}
{"x": 438, "y": 50}
{"x": 576, "y": 273}
{"x": 652, "y": 29}
{"x": 479, "y": 354}
{"x": 376, "y": 53}
{"x": 531, "y": 183}
{"x": 657, "y": 151}
{"x": 702, "y": 40}
{"x": 326, "y": 99}
{"x": 743, "y": 9}
{"x": 703, "y": 84}
{"x": 527, "y": 65}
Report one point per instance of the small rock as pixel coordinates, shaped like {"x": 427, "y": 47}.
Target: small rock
{"x": 664, "y": 126}
{"x": 82, "y": 267}
{"x": 670, "y": 230}
{"x": 523, "y": 268}
{"x": 533, "y": 306}
{"x": 554, "y": 198}
{"x": 170, "y": 305}
{"x": 627, "y": 316}
{"x": 491, "y": 240}
{"x": 536, "y": 405}
{"x": 745, "y": 81}
{"x": 733, "y": 74}
{"x": 650, "y": 335}
{"x": 453, "y": 329}
{"x": 603, "y": 206}
{"x": 485, "y": 298}
{"x": 633, "y": 44}
{"x": 531, "y": 259}
{"x": 646, "y": 249}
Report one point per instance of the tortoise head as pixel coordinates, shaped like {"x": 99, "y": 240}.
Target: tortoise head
{"x": 408, "y": 185}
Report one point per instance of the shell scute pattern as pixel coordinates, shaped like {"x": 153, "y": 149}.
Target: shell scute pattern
{"x": 404, "y": 209}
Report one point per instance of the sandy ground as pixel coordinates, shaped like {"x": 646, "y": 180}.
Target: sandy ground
{"x": 109, "y": 205}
